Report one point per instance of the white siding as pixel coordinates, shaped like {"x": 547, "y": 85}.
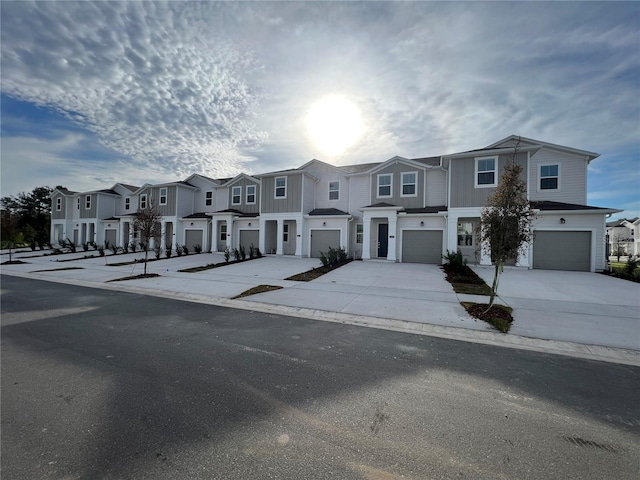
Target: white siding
{"x": 436, "y": 188}
{"x": 572, "y": 181}
{"x": 309, "y": 188}
{"x": 221, "y": 199}
{"x": 360, "y": 190}
{"x": 199, "y": 201}
{"x": 184, "y": 201}
{"x": 106, "y": 206}
{"x": 326, "y": 174}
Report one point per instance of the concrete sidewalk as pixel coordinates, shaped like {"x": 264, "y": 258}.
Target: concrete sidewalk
{"x": 580, "y": 314}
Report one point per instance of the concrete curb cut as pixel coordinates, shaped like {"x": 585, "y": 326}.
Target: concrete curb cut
{"x": 570, "y": 349}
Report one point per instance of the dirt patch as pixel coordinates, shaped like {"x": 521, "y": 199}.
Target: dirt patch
{"x": 258, "y": 289}
{"x": 209, "y": 266}
{"x": 499, "y": 316}
{"x": 465, "y": 280}
{"x": 134, "y": 277}
{"x": 13, "y": 262}
{"x": 316, "y": 272}
{"x": 57, "y": 269}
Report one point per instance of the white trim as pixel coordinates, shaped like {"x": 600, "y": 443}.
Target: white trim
{"x": 210, "y": 200}
{"x": 87, "y": 198}
{"x": 166, "y": 194}
{"x": 255, "y": 194}
{"x": 275, "y": 188}
{"x": 143, "y": 199}
{"x": 127, "y": 203}
{"x": 59, "y": 204}
{"x": 338, "y": 191}
{"x": 423, "y": 229}
{"x": 556, "y": 164}
{"x": 495, "y": 172}
{"x": 415, "y": 184}
{"x": 361, "y": 233}
{"x": 390, "y": 175}
{"x": 237, "y": 188}
{"x": 326, "y": 229}
{"x": 593, "y": 231}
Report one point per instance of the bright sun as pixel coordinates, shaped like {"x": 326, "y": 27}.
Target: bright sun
{"x": 334, "y": 124}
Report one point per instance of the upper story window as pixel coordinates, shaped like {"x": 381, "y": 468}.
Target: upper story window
{"x": 127, "y": 203}
{"x": 87, "y": 202}
{"x": 143, "y": 200}
{"x": 251, "y": 194}
{"x": 384, "y": 185}
{"x": 285, "y": 232}
{"x": 281, "y": 187}
{"x": 486, "y": 172}
{"x": 334, "y": 190}
{"x": 78, "y": 203}
{"x": 208, "y": 199}
{"x": 549, "y": 176}
{"x": 58, "y": 204}
{"x": 409, "y": 184}
{"x": 163, "y": 196}
{"x": 359, "y": 232}
{"x": 236, "y": 195}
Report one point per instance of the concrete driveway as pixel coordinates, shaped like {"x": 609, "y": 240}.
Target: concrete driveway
{"x": 580, "y": 307}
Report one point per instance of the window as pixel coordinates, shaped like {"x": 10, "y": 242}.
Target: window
{"x": 208, "y": 199}
{"x": 334, "y": 190}
{"x": 486, "y": 172}
{"x": 78, "y": 203}
{"x": 127, "y": 203}
{"x": 163, "y": 196}
{"x": 281, "y": 187}
{"x": 549, "y": 177}
{"x": 409, "y": 181}
{"x": 359, "y": 232}
{"x": 236, "y": 195}
{"x": 465, "y": 234}
{"x": 58, "y": 204}
{"x": 223, "y": 232}
{"x": 285, "y": 232}
{"x": 143, "y": 200}
{"x": 251, "y": 194}
{"x": 384, "y": 185}
{"x": 87, "y": 202}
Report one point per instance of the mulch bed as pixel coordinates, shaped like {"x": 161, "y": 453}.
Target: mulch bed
{"x": 623, "y": 276}
{"x": 499, "y": 316}
{"x": 316, "y": 272}
{"x": 258, "y": 289}
{"x": 57, "y": 269}
{"x": 134, "y": 277}
{"x": 209, "y": 266}
{"x": 13, "y": 262}
{"x": 465, "y": 280}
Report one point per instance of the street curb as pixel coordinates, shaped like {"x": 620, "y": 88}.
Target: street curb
{"x": 555, "y": 347}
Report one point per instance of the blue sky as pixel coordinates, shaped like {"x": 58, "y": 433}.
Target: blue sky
{"x": 142, "y": 92}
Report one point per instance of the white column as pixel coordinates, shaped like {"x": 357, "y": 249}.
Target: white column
{"x": 206, "y": 235}
{"x": 298, "y": 238}
{"x": 393, "y": 234}
{"x": 452, "y": 233}
{"x": 366, "y": 237}
{"x": 262, "y": 236}
{"x": 163, "y": 234}
{"x": 214, "y": 235}
{"x": 229, "y": 239}
{"x": 280, "y": 243}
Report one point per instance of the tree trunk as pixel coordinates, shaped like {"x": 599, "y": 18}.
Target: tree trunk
{"x": 146, "y": 254}
{"x": 494, "y": 287}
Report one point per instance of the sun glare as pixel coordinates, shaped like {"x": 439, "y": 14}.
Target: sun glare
{"x": 334, "y": 124}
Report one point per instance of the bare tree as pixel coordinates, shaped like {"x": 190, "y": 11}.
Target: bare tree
{"x": 148, "y": 225}
{"x": 618, "y": 243}
{"x": 506, "y": 221}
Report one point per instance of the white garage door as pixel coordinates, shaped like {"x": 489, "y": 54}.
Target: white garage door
{"x": 562, "y": 250}
{"x": 422, "y": 246}
{"x": 321, "y": 240}
{"x": 247, "y": 237}
{"x": 110, "y": 237}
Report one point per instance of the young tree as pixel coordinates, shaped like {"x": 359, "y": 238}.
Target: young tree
{"x": 506, "y": 220}
{"x": 148, "y": 225}
{"x": 9, "y": 232}
{"x": 619, "y": 243}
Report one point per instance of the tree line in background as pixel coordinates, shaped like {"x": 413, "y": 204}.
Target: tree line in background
{"x": 26, "y": 219}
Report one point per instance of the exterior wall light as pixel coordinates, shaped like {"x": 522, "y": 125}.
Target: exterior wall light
{"x": 422, "y": 224}
{"x": 324, "y": 224}
{"x": 563, "y": 221}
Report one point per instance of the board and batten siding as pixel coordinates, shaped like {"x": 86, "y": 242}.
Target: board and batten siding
{"x": 293, "y": 202}
{"x": 463, "y": 171}
{"x": 91, "y": 212}
{"x": 359, "y": 194}
{"x": 58, "y": 215}
{"x": 436, "y": 188}
{"x": 106, "y": 206}
{"x": 168, "y": 210}
{"x": 309, "y": 192}
{"x": 243, "y": 206}
{"x": 325, "y": 176}
{"x": 572, "y": 177}
{"x": 396, "y": 199}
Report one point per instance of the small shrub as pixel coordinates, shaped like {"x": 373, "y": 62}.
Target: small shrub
{"x": 168, "y": 251}
{"x": 93, "y": 245}
{"x": 107, "y": 245}
{"x": 125, "y": 248}
{"x": 32, "y": 246}
{"x": 243, "y": 254}
{"x": 236, "y": 254}
{"x": 101, "y": 250}
{"x": 197, "y": 248}
{"x": 342, "y": 255}
{"x": 85, "y": 246}
{"x": 631, "y": 266}
{"x": 227, "y": 255}
{"x": 333, "y": 255}
{"x": 71, "y": 246}
{"x": 185, "y": 249}
{"x": 132, "y": 247}
{"x": 258, "y": 253}
{"x": 252, "y": 252}
{"x": 179, "y": 250}
{"x": 324, "y": 259}
{"x": 455, "y": 259}
{"x": 143, "y": 247}
{"x": 56, "y": 251}
{"x": 114, "y": 249}
{"x": 157, "y": 250}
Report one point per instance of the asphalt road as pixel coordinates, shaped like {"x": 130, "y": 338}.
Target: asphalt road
{"x": 98, "y": 384}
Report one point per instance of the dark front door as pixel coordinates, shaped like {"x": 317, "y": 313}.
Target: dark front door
{"x": 383, "y": 239}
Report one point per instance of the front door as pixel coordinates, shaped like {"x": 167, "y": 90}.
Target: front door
{"x": 383, "y": 239}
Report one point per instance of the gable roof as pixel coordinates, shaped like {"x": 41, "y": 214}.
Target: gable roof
{"x": 546, "y": 205}
{"x": 512, "y": 140}
{"x": 208, "y": 179}
{"x": 179, "y": 183}
{"x": 240, "y": 176}
{"x": 64, "y": 191}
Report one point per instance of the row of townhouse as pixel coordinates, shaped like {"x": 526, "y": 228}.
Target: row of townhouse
{"x": 624, "y": 236}
{"x": 407, "y": 210}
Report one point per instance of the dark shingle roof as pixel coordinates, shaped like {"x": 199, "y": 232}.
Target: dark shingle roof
{"x": 112, "y": 192}
{"x": 198, "y": 215}
{"x": 321, "y": 212}
{"x": 132, "y": 188}
{"x": 440, "y": 208}
{"x": 432, "y": 161}
{"x": 359, "y": 168}
{"x": 111, "y": 219}
{"x": 379, "y": 205}
{"x": 237, "y": 212}
{"x": 548, "y": 205}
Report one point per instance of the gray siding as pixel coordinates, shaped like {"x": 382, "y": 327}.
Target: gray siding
{"x": 462, "y": 171}
{"x": 244, "y": 207}
{"x": 293, "y": 202}
{"x": 91, "y": 212}
{"x": 396, "y": 198}
{"x": 58, "y": 215}
{"x": 168, "y": 210}
{"x": 562, "y": 250}
{"x": 572, "y": 178}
